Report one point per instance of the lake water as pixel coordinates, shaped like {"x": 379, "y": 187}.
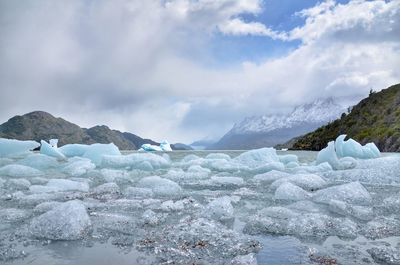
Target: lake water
{"x": 212, "y": 207}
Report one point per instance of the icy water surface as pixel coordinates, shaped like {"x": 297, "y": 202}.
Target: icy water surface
{"x": 199, "y": 207}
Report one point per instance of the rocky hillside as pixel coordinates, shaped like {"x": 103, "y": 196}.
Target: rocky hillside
{"x": 39, "y": 125}
{"x": 375, "y": 119}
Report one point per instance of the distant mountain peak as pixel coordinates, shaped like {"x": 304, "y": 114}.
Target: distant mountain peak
{"x": 270, "y": 130}
{"x": 319, "y": 111}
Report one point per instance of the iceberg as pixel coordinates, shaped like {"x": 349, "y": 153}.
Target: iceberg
{"x": 11, "y": 147}
{"x": 164, "y": 146}
{"x": 71, "y": 150}
{"x": 340, "y": 154}
{"x": 160, "y": 186}
{"x": 48, "y": 149}
{"x": 68, "y": 221}
{"x": 95, "y": 152}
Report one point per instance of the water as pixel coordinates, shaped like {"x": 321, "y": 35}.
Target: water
{"x": 135, "y": 222}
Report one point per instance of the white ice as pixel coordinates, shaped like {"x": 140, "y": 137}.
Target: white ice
{"x": 50, "y": 150}
{"x": 11, "y": 147}
{"x": 68, "y": 221}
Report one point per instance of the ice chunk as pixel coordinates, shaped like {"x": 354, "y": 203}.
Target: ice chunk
{"x": 347, "y": 163}
{"x": 165, "y": 146}
{"x": 53, "y": 142}
{"x": 17, "y": 184}
{"x": 11, "y": 147}
{"x": 258, "y": 157}
{"x": 134, "y": 192}
{"x": 354, "y": 149}
{"x": 160, "y": 186}
{"x": 352, "y": 192}
{"x": 14, "y": 215}
{"x": 289, "y": 192}
{"x": 270, "y": 176}
{"x": 328, "y": 154}
{"x": 95, "y": 152}
{"x": 249, "y": 259}
{"x": 151, "y": 218}
{"x": 220, "y": 209}
{"x": 381, "y": 227}
{"x": 385, "y": 255}
{"x": 78, "y": 166}
{"x": 50, "y": 150}
{"x": 226, "y": 181}
{"x": 46, "y": 206}
{"x": 39, "y": 161}
{"x": 268, "y": 167}
{"x": 309, "y": 182}
{"x": 150, "y": 148}
{"x": 218, "y": 156}
{"x": 71, "y": 150}
{"x": 19, "y": 171}
{"x": 68, "y": 185}
{"x": 359, "y": 212}
{"x": 68, "y": 221}
{"x": 286, "y": 159}
{"x": 142, "y": 161}
{"x": 110, "y": 188}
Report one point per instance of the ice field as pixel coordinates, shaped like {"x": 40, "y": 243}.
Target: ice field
{"x": 81, "y": 204}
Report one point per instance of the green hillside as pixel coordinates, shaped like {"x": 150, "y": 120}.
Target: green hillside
{"x": 375, "y": 119}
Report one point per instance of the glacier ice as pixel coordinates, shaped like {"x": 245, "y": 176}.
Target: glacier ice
{"x": 220, "y": 209}
{"x": 346, "y": 149}
{"x": 352, "y": 192}
{"x": 181, "y": 208}
{"x": 289, "y": 192}
{"x": 160, "y": 186}
{"x": 71, "y": 150}
{"x": 19, "y": 171}
{"x": 164, "y": 146}
{"x": 68, "y": 221}
{"x": 11, "y": 147}
{"x": 95, "y": 152}
{"x": 48, "y": 149}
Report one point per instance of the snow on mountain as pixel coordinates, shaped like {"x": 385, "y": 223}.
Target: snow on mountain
{"x": 318, "y": 112}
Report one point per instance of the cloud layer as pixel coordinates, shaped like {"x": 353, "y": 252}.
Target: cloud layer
{"x": 145, "y": 66}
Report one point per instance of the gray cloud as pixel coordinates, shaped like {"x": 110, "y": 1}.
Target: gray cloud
{"x": 137, "y": 65}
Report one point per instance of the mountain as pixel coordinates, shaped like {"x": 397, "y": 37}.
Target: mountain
{"x": 40, "y": 125}
{"x": 262, "y": 131}
{"x": 375, "y": 119}
{"x": 202, "y": 144}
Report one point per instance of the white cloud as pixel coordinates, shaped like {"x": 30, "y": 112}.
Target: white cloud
{"x": 142, "y": 66}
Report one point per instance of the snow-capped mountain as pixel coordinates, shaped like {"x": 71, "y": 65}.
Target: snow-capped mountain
{"x": 261, "y": 131}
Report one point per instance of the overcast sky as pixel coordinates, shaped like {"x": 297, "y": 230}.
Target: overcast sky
{"x": 184, "y": 70}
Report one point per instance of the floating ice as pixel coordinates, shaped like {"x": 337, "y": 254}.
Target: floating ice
{"x": 344, "y": 149}
{"x": 352, "y": 192}
{"x": 220, "y": 209}
{"x": 359, "y": 212}
{"x": 160, "y": 186}
{"x": 165, "y": 146}
{"x": 11, "y": 147}
{"x": 271, "y": 176}
{"x": 309, "y": 182}
{"x": 110, "y": 188}
{"x": 48, "y": 149}
{"x": 39, "y": 161}
{"x": 71, "y": 150}
{"x": 17, "y": 184}
{"x": 142, "y": 161}
{"x": 258, "y": 157}
{"x": 77, "y": 166}
{"x": 95, "y": 152}
{"x": 19, "y": 171}
{"x": 68, "y": 221}
{"x": 67, "y": 185}
{"x": 289, "y": 192}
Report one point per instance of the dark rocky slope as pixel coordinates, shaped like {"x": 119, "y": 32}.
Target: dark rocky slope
{"x": 375, "y": 119}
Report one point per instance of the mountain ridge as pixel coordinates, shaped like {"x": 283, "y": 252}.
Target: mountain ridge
{"x": 261, "y": 131}
{"x": 376, "y": 119}
{"x": 41, "y": 125}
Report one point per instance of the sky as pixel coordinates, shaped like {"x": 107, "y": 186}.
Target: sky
{"x": 186, "y": 70}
